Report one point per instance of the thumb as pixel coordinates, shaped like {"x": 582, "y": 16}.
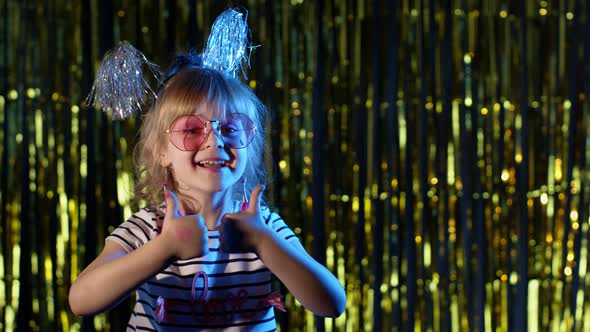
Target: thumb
{"x": 172, "y": 204}
{"x": 256, "y": 197}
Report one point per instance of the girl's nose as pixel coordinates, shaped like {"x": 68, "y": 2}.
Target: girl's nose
{"x": 214, "y": 136}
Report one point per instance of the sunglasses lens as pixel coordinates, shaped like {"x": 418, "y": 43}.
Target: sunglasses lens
{"x": 237, "y": 131}
{"x": 188, "y": 132}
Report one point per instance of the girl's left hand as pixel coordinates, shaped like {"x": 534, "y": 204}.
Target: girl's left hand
{"x": 240, "y": 232}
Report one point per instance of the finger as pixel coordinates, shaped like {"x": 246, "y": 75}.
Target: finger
{"x": 172, "y": 203}
{"x": 256, "y": 198}
{"x": 221, "y": 239}
{"x": 227, "y": 216}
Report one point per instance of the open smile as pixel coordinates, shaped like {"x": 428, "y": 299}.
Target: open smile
{"x": 213, "y": 165}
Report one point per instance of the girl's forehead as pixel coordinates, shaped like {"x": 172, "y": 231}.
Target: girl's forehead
{"x": 211, "y": 112}
{"x": 218, "y": 111}
{"x": 216, "y": 108}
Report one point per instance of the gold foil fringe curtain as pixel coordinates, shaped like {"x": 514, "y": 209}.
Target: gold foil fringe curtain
{"x": 432, "y": 154}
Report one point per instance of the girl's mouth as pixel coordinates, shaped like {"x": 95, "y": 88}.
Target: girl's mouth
{"x": 213, "y": 165}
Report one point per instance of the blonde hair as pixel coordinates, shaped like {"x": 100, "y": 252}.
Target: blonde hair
{"x": 188, "y": 91}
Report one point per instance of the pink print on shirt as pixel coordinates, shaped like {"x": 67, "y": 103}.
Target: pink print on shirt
{"x": 216, "y": 310}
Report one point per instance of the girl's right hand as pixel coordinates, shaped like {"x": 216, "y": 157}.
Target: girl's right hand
{"x": 185, "y": 236}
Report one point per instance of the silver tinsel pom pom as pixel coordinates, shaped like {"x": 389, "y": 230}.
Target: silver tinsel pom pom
{"x": 119, "y": 84}
{"x": 228, "y": 46}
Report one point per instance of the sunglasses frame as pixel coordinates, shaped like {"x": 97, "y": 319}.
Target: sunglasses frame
{"x": 207, "y": 132}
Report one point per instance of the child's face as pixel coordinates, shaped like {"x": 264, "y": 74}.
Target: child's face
{"x": 212, "y": 163}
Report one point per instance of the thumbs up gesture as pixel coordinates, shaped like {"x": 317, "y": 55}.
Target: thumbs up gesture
{"x": 240, "y": 232}
{"x": 185, "y": 235}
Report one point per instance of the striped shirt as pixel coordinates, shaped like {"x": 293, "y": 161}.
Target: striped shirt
{"x": 219, "y": 291}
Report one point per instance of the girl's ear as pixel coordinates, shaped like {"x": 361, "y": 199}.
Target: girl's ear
{"x": 160, "y": 153}
{"x": 162, "y": 157}
{"x": 164, "y": 162}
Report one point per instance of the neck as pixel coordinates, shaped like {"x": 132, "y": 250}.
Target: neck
{"x": 212, "y": 207}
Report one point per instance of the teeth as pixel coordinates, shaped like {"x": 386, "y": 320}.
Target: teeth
{"x": 212, "y": 162}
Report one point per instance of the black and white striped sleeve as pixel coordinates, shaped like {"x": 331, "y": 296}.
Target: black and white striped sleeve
{"x": 276, "y": 222}
{"x": 135, "y": 231}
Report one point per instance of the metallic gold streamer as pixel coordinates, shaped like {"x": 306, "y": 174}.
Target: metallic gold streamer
{"x": 432, "y": 146}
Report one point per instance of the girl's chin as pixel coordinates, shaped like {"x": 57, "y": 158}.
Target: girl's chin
{"x": 212, "y": 170}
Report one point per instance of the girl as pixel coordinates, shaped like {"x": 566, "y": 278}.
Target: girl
{"x": 203, "y": 259}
